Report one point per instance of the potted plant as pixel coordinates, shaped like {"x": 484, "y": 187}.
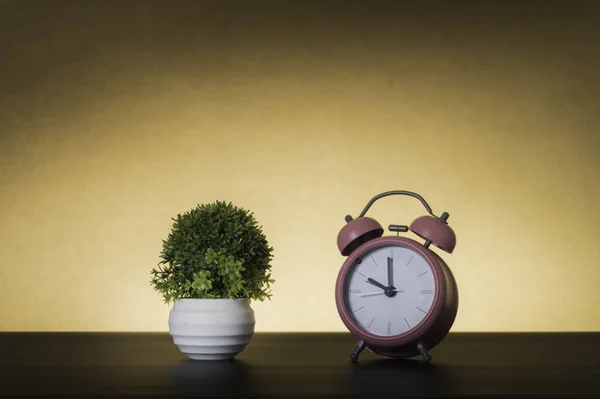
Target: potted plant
{"x": 214, "y": 261}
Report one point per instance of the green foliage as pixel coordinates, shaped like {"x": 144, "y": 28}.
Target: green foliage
{"x": 214, "y": 251}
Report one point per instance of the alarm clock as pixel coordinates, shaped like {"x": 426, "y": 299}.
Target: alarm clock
{"x": 395, "y": 294}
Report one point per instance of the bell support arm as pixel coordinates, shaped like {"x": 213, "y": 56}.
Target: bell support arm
{"x": 443, "y": 217}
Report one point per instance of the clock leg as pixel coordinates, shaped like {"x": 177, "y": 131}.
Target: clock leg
{"x": 360, "y": 346}
{"x": 424, "y": 352}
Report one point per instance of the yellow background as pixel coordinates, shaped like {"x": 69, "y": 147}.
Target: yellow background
{"x": 116, "y": 116}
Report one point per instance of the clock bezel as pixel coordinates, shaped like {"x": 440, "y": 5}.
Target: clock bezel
{"x": 426, "y": 324}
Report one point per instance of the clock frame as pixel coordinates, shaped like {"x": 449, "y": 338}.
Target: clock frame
{"x": 364, "y": 234}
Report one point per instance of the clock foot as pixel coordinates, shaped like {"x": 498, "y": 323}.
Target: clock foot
{"x": 424, "y": 352}
{"x": 360, "y": 346}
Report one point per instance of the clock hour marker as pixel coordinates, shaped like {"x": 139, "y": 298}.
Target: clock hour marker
{"x": 409, "y": 260}
{"x": 389, "y": 327}
{"x": 423, "y": 273}
{"x": 357, "y": 309}
{"x": 392, "y": 254}
{"x": 407, "y": 322}
{"x": 374, "y": 261}
{"x": 424, "y": 292}
{"x": 355, "y": 291}
{"x": 421, "y": 310}
{"x": 371, "y": 322}
{"x": 359, "y": 273}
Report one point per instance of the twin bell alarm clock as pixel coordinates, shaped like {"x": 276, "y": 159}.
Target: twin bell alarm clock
{"x": 394, "y": 294}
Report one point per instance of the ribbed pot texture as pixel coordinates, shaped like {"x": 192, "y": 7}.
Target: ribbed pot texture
{"x": 211, "y": 329}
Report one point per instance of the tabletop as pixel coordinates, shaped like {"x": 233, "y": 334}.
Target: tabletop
{"x": 465, "y": 365}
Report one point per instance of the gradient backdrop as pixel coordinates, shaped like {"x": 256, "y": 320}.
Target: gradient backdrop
{"x": 117, "y": 115}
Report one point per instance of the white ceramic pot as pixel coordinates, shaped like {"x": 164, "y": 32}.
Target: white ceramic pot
{"x": 211, "y": 329}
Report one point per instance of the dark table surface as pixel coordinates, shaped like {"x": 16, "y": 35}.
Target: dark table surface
{"x": 301, "y": 365}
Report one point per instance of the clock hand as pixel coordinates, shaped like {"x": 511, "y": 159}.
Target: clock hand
{"x": 390, "y": 271}
{"x": 378, "y": 293}
{"x": 390, "y": 292}
{"x": 376, "y": 283}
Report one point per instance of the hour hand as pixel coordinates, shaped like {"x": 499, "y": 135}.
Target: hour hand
{"x": 376, "y": 283}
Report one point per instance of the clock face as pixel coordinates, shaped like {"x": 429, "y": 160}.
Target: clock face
{"x": 389, "y": 290}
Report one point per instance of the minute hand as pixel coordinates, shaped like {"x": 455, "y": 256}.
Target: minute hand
{"x": 390, "y": 271}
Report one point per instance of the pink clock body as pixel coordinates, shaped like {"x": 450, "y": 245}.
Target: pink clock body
{"x": 397, "y": 296}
